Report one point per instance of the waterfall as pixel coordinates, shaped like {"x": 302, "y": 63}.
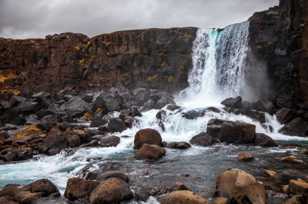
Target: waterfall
{"x": 218, "y": 66}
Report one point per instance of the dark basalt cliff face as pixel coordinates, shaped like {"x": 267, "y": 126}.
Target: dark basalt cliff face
{"x": 153, "y": 58}
{"x": 277, "y": 39}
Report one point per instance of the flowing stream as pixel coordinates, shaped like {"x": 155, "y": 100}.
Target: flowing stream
{"x": 218, "y": 72}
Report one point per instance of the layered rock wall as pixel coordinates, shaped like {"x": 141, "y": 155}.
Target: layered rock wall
{"x": 153, "y": 58}
{"x": 276, "y": 40}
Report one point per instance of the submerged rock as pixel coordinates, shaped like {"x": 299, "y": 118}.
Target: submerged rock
{"x": 245, "y": 156}
{"x": 178, "y": 145}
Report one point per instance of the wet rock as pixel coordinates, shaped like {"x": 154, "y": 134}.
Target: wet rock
{"x": 54, "y": 142}
{"x": 115, "y": 125}
{"x": 232, "y": 102}
{"x": 147, "y": 136}
{"x": 296, "y": 127}
{"x": 43, "y": 186}
{"x": 77, "y": 188}
{"x": 150, "y": 152}
{"x": 245, "y": 156}
{"x": 75, "y": 106}
{"x": 270, "y": 173}
{"x": 264, "y": 140}
{"x": 194, "y": 114}
{"x": 161, "y": 115}
{"x": 26, "y": 197}
{"x": 178, "y": 145}
{"x": 173, "y": 107}
{"x": 285, "y": 115}
{"x": 131, "y": 112}
{"x": 231, "y": 132}
{"x": 203, "y": 139}
{"x": 109, "y": 141}
{"x": 298, "y": 186}
{"x": 112, "y": 174}
{"x": 181, "y": 197}
{"x": 112, "y": 190}
{"x": 291, "y": 159}
{"x": 240, "y": 186}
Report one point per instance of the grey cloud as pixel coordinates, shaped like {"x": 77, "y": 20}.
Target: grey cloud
{"x": 37, "y": 18}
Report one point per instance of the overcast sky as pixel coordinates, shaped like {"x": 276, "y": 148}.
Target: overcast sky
{"x": 37, "y": 18}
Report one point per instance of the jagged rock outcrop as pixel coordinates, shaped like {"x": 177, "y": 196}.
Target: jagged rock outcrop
{"x": 152, "y": 58}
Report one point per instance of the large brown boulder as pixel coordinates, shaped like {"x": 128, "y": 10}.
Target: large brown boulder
{"x": 43, "y": 186}
{"x": 150, "y": 152}
{"x": 112, "y": 190}
{"x": 147, "y": 136}
{"x": 241, "y": 187}
{"x": 78, "y": 188}
{"x": 183, "y": 197}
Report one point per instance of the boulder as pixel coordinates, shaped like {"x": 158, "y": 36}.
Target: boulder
{"x": 150, "y": 152}
{"x": 115, "y": 125}
{"x": 178, "y": 145}
{"x": 296, "y": 127}
{"x": 109, "y": 141}
{"x": 241, "y": 187}
{"x": 108, "y": 102}
{"x": 264, "y": 140}
{"x": 43, "y": 186}
{"x": 194, "y": 114}
{"x": 231, "y": 132}
{"x": 78, "y": 188}
{"x": 203, "y": 139}
{"x": 147, "y": 136}
{"x": 75, "y": 106}
{"x": 112, "y": 190}
{"x": 183, "y": 197}
{"x": 55, "y": 141}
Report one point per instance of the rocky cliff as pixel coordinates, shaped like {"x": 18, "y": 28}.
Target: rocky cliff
{"x": 276, "y": 40}
{"x": 153, "y": 58}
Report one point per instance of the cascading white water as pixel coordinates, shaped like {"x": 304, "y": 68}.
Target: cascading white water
{"x": 217, "y": 73}
{"x": 218, "y": 66}
{"x": 231, "y": 53}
